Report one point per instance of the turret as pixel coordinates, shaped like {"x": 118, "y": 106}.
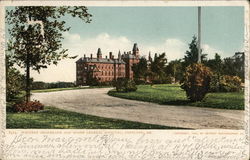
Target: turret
{"x": 136, "y": 50}
{"x": 99, "y": 53}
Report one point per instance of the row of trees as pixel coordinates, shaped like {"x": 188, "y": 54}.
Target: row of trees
{"x": 158, "y": 70}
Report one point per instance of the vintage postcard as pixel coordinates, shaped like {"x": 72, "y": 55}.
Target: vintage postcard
{"x": 124, "y": 80}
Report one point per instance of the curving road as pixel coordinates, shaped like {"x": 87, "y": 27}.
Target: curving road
{"x": 97, "y": 102}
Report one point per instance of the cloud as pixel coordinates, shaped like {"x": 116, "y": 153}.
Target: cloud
{"x": 210, "y": 51}
{"x": 107, "y": 43}
{"x": 66, "y": 69}
{"x": 174, "y": 48}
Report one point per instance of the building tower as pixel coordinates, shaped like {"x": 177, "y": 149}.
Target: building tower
{"x": 99, "y": 53}
{"x": 135, "y": 50}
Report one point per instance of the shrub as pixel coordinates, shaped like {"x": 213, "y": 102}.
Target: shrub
{"x": 140, "y": 81}
{"x": 214, "y": 83}
{"x": 124, "y": 84}
{"x": 14, "y": 84}
{"x": 225, "y": 83}
{"x": 28, "y": 107}
{"x": 130, "y": 86}
{"x": 196, "y": 81}
{"x": 230, "y": 83}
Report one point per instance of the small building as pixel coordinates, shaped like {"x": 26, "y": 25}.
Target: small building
{"x": 106, "y": 69}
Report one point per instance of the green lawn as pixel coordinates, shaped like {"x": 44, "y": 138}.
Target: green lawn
{"x": 63, "y": 89}
{"x": 53, "y": 118}
{"x": 173, "y": 95}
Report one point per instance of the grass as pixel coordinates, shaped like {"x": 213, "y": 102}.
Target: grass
{"x": 53, "y": 118}
{"x": 63, "y": 89}
{"x": 173, "y": 95}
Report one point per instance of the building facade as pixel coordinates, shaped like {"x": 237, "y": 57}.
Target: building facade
{"x": 106, "y": 69}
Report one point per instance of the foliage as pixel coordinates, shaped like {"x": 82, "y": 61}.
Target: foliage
{"x": 234, "y": 66}
{"x": 196, "y": 81}
{"x": 230, "y": 84}
{"x": 225, "y": 83}
{"x": 69, "y": 88}
{"x": 125, "y": 85}
{"x": 140, "y": 69}
{"x": 172, "y": 94}
{"x": 215, "y": 64}
{"x": 28, "y": 39}
{"x": 163, "y": 80}
{"x": 157, "y": 67}
{"x": 192, "y": 54}
{"x": 214, "y": 83}
{"x": 139, "y": 81}
{"x": 13, "y": 83}
{"x": 91, "y": 80}
{"x": 36, "y": 36}
{"x": 54, "y": 118}
{"x": 28, "y": 106}
{"x": 38, "y": 85}
{"x": 174, "y": 69}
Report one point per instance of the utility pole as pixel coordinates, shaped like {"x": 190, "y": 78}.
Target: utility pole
{"x": 199, "y": 34}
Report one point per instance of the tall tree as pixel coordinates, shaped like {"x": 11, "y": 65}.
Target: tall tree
{"x": 234, "y": 66}
{"x": 174, "y": 69}
{"x": 157, "y": 67}
{"x": 140, "y": 69}
{"x": 36, "y": 36}
{"x": 215, "y": 64}
{"x": 192, "y": 54}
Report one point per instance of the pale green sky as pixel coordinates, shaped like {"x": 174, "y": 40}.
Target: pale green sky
{"x": 222, "y": 27}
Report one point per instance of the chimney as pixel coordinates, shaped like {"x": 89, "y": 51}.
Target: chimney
{"x": 84, "y": 56}
{"x": 110, "y": 55}
{"x": 91, "y": 56}
{"x": 119, "y": 55}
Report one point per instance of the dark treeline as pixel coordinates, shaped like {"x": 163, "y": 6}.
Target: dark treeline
{"x": 44, "y": 85}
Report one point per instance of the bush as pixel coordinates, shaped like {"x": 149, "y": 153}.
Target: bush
{"x": 140, "y": 81}
{"x": 230, "y": 84}
{"x": 125, "y": 85}
{"x": 214, "y": 83}
{"x": 225, "y": 83}
{"x": 196, "y": 81}
{"x": 14, "y": 80}
{"x": 28, "y": 107}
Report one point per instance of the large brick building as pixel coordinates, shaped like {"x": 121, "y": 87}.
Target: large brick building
{"x": 106, "y": 69}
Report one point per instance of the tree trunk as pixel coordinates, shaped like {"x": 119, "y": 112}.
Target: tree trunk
{"x": 27, "y": 78}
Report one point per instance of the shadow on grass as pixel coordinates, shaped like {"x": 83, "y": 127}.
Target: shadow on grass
{"x": 177, "y": 102}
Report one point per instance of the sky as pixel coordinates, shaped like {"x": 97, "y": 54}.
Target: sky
{"x": 154, "y": 29}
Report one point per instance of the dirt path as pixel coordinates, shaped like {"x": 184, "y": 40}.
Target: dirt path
{"x": 97, "y": 102}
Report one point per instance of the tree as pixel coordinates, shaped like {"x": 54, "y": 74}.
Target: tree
{"x": 215, "y": 64}
{"x": 157, "y": 67}
{"x": 14, "y": 79}
{"x": 140, "y": 69}
{"x": 36, "y": 36}
{"x": 192, "y": 54}
{"x": 174, "y": 69}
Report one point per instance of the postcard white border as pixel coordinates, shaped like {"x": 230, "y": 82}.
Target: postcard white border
{"x": 244, "y": 4}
